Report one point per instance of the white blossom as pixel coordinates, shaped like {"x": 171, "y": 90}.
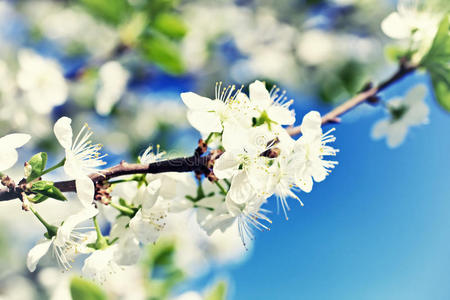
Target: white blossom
{"x": 281, "y": 182}
{"x": 149, "y": 220}
{"x": 82, "y": 157}
{"x": 101, "y": 264}
{"x": 229, "y": 105}
{"x": 67, "y": 242}
{"x": 273, "y": 104}
{"x": 8, "y": 145}
{"x": 403, "y": 113}
{"x": 411, "y": 21}
{"x": 249, "y": 215}
{"x": 309, "y": 151}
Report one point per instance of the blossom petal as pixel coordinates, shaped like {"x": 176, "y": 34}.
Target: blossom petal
{"x": 241, "y": 189}
{"x": 418, "y": 114}
{"x": 64, "y": 232}
{"x": 281, "y": 115}
{"x": 305, "y": 183}
{"x": 259, "y": 95}
{"x": 14, "y": 140}
{"x": 129, "y": 250}
{"x": 196, "y": 102}
{"x": 36, "y": 253}
{"x": 226, "y": 165}
{"x": 418, "y": 110}
{"x": 72, "y": 166}
{"x": 311, "y": 124}
{"x": 394, "y": 26}
{"x": 63, "y": 132}
{"x": 100, "y": 264}
{"x": 204, "y": 121}
{"x": 145, "y": 231}
{"x": 85, "y": 191}
{"x": 415, "y": 94}
{"x": 8, "y": 157}
{"x": 234, "y": 137}
{"x": 319, "y": 173}
{"x": 380, "y": 129}
{"x": 397, "y": 135}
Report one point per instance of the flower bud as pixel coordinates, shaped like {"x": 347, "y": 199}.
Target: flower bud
{"x": 27, "y": 169}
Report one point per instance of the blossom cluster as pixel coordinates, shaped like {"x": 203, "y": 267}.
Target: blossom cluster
{"x": 257, "y": 157}
{"x": 250, "y": 157}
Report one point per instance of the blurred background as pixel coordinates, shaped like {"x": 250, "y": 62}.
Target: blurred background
{"x": 378, "y": 228}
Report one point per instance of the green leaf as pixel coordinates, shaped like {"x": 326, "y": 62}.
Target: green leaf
{"x": 81, "y": 289}
{"x": 394, "y": 52}
{"x": 47, "y": 188}
{"x": 156, "y": 7}
{"x": 163, "y": 52}
{"x": 440, "y": 48}
{"x": 37, "y": 163}
{"x": 441, "y": 90}
{"x": 162, "y": 252}
{"x": 113, "y": 12}
{"x": 219, "y": 292}
{"x": 352, "y": 76}
{"x": 39, "y": 198}
{"x": 171, "y": 25}
{"x": 437, "y": 62}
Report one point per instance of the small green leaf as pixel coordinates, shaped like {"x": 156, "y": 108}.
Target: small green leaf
{"x": 47, "y": 188}
{"x": 81, "y": 289}
{"x": 219, "y": 292}
{"x": 113, "y": 12}
{"x": 394, "y": 52}
{"x": 163, "y": 52}
{"x": 441, "y": 91}
{"x": 37, "y": 163}
{"x": 171, "y": 25}
{"x": 39, "y": 198}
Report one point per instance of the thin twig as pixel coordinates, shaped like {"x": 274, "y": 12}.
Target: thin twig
{"x": 333, "y": 116}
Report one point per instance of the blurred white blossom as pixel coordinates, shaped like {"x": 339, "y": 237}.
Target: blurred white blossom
{"x": 412, "y": 21}
{"x": 113, "y": 80}
{"x": 42, "y": 81}
{"x": 8, "y": 145}
{"x": 403, "y": 113}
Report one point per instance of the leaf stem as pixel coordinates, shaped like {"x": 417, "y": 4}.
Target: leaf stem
{"x": 60, "y": 164}
{"x": 51, "y": 230}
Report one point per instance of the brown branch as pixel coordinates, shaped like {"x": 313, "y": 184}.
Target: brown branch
{"x": 333, "y": 116}
{"x": 181, "y": 164}
{"x": 201, "y": 164}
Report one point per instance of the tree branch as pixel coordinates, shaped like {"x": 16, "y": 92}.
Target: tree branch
{"x": 181, "y": 164}
{"x": 199, "y": 163}
{"x": 333, "y": 116}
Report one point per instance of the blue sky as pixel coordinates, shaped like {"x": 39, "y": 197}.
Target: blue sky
{"x": 377, "y": 228}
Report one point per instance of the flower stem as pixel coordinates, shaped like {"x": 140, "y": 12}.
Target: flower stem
{"x": 224, "y": 192}
{"x": 101, "y": 242}
{"x": 60, "y": 164}
{"x": 51, "y": 230}
{"x": 209, "y": 138}
{"x": 124, "y": 210}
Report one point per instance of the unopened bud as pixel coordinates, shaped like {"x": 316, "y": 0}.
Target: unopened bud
{"x": 27, "y": 169}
